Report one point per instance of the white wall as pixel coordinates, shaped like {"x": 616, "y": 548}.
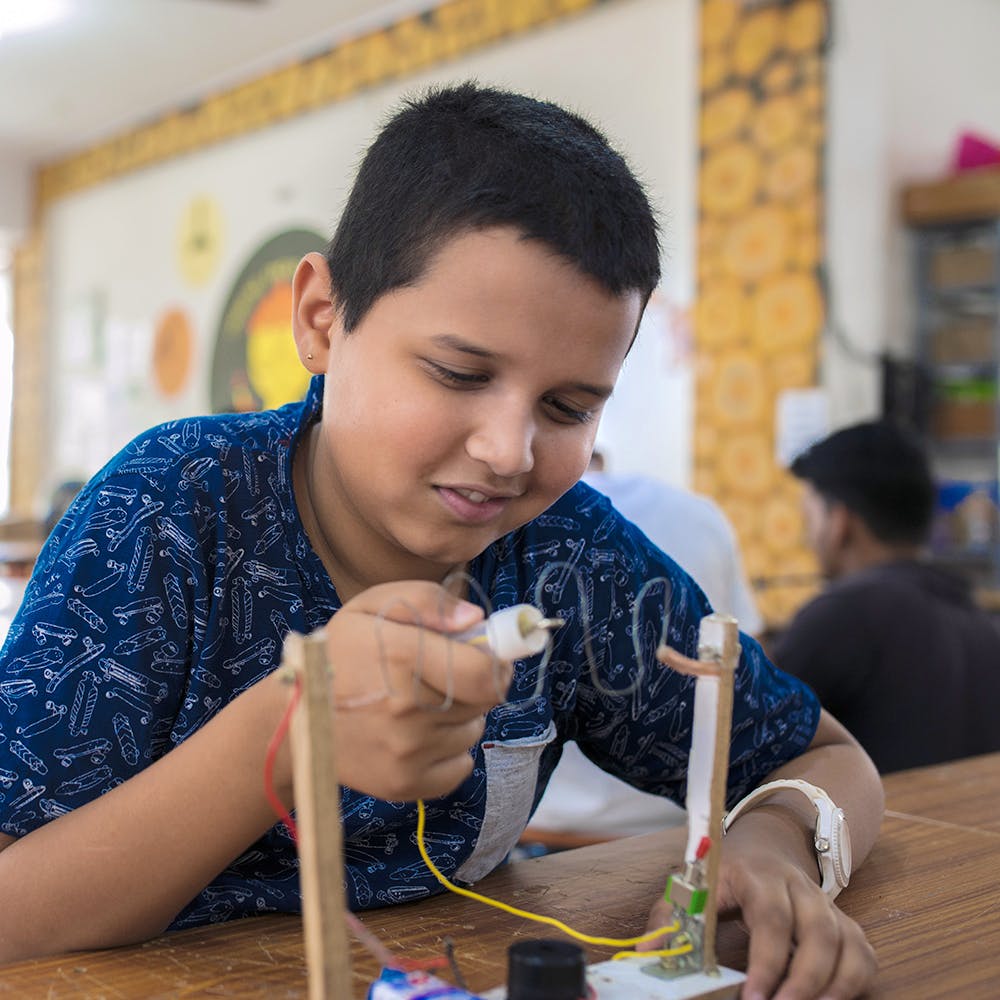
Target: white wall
{"x": 905, "y": 78}
{"x": 15, "y": 203}
{"x": 629, "y": 66}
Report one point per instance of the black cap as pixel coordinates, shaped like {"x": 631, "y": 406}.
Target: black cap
{"x": 880, "y": 471}
{"x": 546, "y": 969}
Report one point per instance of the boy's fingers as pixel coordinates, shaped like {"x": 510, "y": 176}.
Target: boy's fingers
{"x": 661, "y": 915}
{"x": 423, "y": 755}
{"x": 858, "y": 965}
{"x": 770, "y": 926}
{"x": 462, "y": 673}
{"x": 414, "y": 664}
{"x": 817, "y": 944}
{"x": 431, "y": 779}
{"x": 417, "y": 602}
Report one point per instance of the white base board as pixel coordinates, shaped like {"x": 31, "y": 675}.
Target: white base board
{"x": 625, "y": 980}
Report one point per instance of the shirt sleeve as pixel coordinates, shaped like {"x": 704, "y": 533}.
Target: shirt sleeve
{"x": 94, "y": 670}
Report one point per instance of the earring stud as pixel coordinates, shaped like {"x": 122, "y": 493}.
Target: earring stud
{"x": 309, "y": 357}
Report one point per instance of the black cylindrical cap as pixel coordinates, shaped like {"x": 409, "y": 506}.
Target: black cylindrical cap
{"x": 546, "y": 970}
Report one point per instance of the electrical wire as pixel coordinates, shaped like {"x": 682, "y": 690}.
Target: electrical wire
{"x": 527, "y": 914}
{"x": 371, "y": 942}
{"x": 274, "y": 744}
{"x": 364, "y": 936}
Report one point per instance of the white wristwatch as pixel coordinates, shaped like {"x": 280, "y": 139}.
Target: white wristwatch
{"x": 831, "y": 839}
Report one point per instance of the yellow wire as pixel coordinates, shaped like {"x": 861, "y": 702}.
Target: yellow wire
{"x": 661, "y": 953}
{"x": 586, "y": 938}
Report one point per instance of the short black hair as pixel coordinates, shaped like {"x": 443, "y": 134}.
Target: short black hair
{"x": 880, "y": 471}
{"x": 469, "y": 157}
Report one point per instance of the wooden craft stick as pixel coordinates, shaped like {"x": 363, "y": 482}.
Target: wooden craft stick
{"x": 718, "y": 641}
{"x": 317, "y": 807}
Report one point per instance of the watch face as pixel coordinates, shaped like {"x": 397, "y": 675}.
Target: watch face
{"x": 842, "y": 850}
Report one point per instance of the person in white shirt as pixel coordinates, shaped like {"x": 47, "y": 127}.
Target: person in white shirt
{"x": 582, "y": 803}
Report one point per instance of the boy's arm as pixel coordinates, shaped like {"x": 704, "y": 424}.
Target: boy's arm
{"x": 769, "y": 874}
{"x": 118, "y": 869}
{"x": 773, "y": 874}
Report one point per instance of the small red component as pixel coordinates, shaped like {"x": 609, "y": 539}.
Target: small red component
{"x": 704, "y": 845}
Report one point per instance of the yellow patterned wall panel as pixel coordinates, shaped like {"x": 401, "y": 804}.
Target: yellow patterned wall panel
{"x": 759, "y": 311}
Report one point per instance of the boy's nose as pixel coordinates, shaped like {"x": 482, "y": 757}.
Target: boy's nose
{"x": 505, "y": 443}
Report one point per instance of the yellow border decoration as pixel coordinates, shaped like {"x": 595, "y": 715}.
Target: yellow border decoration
{"x": 415, "y": 43}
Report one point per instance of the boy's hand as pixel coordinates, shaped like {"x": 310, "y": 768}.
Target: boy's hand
{"x": 801, "y": 945}
{"x": 410, "y": 701}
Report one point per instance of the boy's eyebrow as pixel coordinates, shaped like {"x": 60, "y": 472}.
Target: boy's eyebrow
{"x": 451, "y": 342}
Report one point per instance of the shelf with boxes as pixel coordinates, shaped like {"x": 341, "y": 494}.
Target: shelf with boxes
{"x": 956, "y": 273}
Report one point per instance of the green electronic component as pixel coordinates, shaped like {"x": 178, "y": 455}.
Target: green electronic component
{"x": 681, "y": 893}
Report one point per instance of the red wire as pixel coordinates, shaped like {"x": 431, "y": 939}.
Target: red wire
{"x": 272, "y": 752}
{"x": 369, "y": 940}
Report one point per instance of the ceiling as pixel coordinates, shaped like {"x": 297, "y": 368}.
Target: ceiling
{"x": 112, "y": 64}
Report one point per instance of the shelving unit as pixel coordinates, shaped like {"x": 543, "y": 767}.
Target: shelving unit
{"x": 955, "y": 238}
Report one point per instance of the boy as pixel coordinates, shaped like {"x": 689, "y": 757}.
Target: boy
{"x": 893, "y": 630}
{"x": 465, "y": 325}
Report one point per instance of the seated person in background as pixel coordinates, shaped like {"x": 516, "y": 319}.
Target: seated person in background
{"x": 582, "y": 803}
{"x": 894, "y": 646}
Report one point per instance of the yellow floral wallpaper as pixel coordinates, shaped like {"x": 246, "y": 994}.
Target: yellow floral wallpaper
{"x": 759, "y": 309}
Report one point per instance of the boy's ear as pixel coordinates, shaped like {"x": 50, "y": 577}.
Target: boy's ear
{"x": 314, "y": 313}
{"x": 843, "y": 525}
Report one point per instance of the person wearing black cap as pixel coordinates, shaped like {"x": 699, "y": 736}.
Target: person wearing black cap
{"x": 894, "y": 646}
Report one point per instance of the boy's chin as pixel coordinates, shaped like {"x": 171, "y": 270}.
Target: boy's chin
{"x": 447, "y": 559}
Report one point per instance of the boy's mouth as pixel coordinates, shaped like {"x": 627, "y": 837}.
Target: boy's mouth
{"x": 471, "y": 504}
{"x": 474, "y": 495}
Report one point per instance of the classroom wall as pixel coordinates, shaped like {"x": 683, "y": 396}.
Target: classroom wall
{"x": 111, "y": 249}
{"x": 906, "y": 76}
{"x": 15, "y": 199}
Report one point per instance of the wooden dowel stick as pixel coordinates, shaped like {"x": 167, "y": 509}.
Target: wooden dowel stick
{"x": 317, "y": 808}
{"x": 718, "y": 641}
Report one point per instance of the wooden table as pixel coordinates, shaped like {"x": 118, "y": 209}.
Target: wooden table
{"x": 928, "y": 898}
{"x": 964, "y": 793}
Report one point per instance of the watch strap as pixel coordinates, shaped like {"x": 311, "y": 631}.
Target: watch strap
{"x": 811, "y": 791}
{"x": 825, "y": 835}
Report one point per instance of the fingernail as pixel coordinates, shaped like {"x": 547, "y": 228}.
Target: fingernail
{"x": 464, "y": 614}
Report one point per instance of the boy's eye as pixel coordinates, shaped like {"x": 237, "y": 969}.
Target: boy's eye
{"x": 560, "y": 410}
{"x": 462, "y": 380}
{"x": 565, "y": 413}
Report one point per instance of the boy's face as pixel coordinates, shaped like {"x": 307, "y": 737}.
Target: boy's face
{"x": 465, "y": 405}
{"x": 823, "y": 529}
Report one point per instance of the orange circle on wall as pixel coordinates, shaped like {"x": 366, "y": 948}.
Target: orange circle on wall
{"x": 173, "y": 350}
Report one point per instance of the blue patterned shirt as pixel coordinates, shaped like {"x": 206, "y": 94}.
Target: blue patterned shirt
{"x": 167, "y": 590}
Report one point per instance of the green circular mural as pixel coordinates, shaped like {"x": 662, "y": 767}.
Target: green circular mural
{"x": 255, "y": 366}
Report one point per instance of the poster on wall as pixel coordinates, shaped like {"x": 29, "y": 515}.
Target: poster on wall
{"x": 173, "y": 351}
{"x": 199, "y": 240}
{"x": 255, "y": 365}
